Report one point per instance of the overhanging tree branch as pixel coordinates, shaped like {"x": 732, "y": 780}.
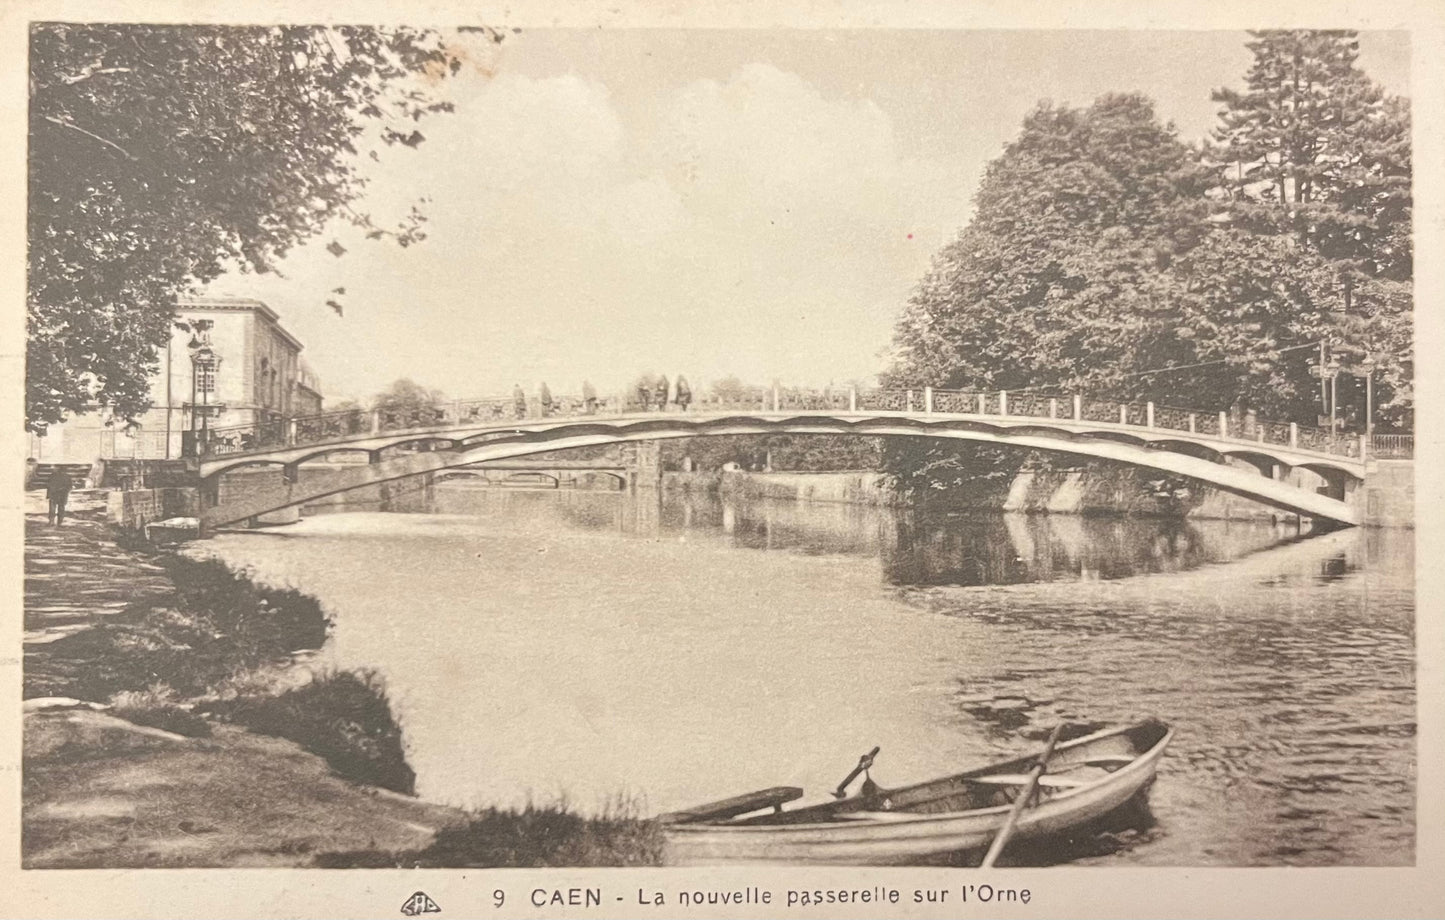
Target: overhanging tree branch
{"x": 96, "y": 137}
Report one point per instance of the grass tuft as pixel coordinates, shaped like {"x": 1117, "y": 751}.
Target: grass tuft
{"x": 344, "y": 717}
{"x": 530, "y": 837}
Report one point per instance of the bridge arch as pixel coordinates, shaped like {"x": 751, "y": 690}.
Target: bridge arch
{"x": 565, "y": 434}
{"x": 617, "y": 478}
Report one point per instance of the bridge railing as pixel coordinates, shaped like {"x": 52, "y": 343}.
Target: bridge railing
{"x": 1393, "y": 446}
{"x": 237, "y": 439}
{"x": 337, "y": 426}
{"x": 329, "y": 426}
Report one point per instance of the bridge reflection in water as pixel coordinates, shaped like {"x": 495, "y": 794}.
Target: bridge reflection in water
{"x": 912, "y": 548}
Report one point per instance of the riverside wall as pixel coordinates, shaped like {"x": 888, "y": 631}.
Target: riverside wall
{"x": 1388, "y": 496}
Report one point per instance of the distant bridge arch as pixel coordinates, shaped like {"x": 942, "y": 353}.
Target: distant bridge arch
{"x": 1198, "y": 451}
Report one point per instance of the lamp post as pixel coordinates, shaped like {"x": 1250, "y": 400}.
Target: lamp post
{"x": 1369, "y": 367}
{"x": 205, "y": 367}
{"x": 1333, "y": 369}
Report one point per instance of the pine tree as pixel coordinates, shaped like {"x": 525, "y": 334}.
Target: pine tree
{"x": 1314, "y": 152}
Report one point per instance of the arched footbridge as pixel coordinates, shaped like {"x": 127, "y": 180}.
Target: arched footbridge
{"x": 1254, "y": 459}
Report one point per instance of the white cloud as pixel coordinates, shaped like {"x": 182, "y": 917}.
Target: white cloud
{"x": 763, "y": 230}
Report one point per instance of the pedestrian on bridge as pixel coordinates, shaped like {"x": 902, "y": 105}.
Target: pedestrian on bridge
{"x": 644, "y": 394}
{"x": 57, "y": 493}
{"x": 684, "y": 393}
{"x": 589, "y": 398}
{"x": 546, "y": 400}
{"x": 519, "y": 400}
{"x": 662, "y": 393}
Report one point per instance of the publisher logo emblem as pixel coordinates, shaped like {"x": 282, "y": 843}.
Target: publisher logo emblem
{"x": 419, "y": 903}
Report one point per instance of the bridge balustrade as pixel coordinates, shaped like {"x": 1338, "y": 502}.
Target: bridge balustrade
{"x": 957, "y": 402}
{"x": 335, "y": 426}
{"x": 1321, "y": 439}
{"x": 1393, "y": 446}
{"x": 1271, "y": 432}
{"x": 746, "y": 399}
{"x": 484, "y": 410}
{"x": 1175, "y": 419}
{"x": 317, "y": 429}
{"x": 1100, "y": 410}
{"x": 829, "y": 399}
{"x": 887, "y": 400}
{"x": 1031, "y": 405}
{"x": 236, "y": 439}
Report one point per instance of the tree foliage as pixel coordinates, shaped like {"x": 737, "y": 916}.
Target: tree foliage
{"x": 1059, "y": 280}
{"x": 162, "y": 155}
{"x": 408, "y": 394}
{"x": 1107, "y": 256}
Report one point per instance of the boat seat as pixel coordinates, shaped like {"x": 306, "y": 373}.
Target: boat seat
{"x": 1019, "y": 779}
{"x": 737, "y": 805}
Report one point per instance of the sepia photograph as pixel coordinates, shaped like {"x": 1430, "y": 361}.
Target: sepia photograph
{"x": 538, "y": 446}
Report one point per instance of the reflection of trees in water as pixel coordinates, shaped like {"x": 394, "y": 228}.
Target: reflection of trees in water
{"x": 916, "y": 547}
{"x": 1015, "y": 549}
{"x": 812, "y": 528}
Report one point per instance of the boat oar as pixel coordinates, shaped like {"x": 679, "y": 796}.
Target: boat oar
{"x": 864, "y": 763}
{"x": 1022, "y": 802}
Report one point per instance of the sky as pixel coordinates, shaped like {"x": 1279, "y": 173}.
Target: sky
{"x": 606, "y": 203}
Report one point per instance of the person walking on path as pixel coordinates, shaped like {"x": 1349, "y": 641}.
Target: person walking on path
{"x": 644, "y": 394}
{"x": 546, "y": 400}
{"x": 519, "y": 401}
{"x": 57, "y": 492}
{"x": 589, "y": 398}
{"x": 684, "y": 393}
{"x": 662, "y": 393}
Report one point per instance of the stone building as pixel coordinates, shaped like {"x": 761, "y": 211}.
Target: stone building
{"x": 228, "y": 363}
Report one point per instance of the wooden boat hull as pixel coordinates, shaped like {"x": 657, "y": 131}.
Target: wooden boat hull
{"x": 851, "y": 836}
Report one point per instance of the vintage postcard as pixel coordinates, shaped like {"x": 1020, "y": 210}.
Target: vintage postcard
{"x": 791, "y": 461}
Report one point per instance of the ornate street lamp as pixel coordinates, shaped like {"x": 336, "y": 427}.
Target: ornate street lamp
{"x": 1329, "y": 371}
{"x": 205, "y": 371}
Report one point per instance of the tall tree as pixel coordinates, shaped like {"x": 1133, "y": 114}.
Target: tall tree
{"x": 162, "y": 155}
{"x": 1313, "y": 153}
{"x": 1059, "y": 280}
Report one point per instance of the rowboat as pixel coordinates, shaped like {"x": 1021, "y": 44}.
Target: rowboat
{"x": 1081, "y": 780}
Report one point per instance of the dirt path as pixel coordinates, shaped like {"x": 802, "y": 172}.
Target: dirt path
{"x": 76, "y": 576}
{"x": 101, "y": 792}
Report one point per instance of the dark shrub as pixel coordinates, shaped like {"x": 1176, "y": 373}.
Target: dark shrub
{"x": 344, "y": 717}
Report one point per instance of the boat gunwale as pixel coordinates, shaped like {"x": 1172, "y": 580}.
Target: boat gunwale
{"x": 1147, "y": 758}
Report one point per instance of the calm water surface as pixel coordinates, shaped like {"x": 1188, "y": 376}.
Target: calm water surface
{"x": 589, "y": 645}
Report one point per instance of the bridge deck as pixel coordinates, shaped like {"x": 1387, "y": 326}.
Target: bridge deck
{"x": 1166, "y": 450}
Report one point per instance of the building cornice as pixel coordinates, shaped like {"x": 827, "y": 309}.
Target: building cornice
{"x": 238, "y": 305}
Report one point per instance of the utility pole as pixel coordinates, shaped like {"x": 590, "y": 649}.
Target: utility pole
{"x": 1369, "y": 365}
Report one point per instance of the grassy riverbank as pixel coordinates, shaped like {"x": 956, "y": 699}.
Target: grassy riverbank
{"x": 178, "y": 730}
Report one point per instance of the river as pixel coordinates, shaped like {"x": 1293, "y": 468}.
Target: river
{"x": 603, "y": 648}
